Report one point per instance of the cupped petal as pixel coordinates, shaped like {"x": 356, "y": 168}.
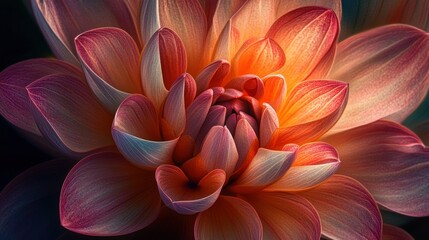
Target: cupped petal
{"x": 269, "y": 124}
{"x": 61, "y": 21}
{"x": 137, "y": 134}
{"x": 68, "y": 115}
{"x": 219, "y": 151}
{"x": 163, "y": 61}
{"x": 181, "y": 94}
{"x": 110, "y": 59}
{"x": 229, "y": 217}
{"x": 104, "y": 195}
{"x": 346, "y": 209}
{"x": 247, "y": 144}
{"x": 253, "y": 19}
{"x": 248, "y": 84}
{"x": 363, "y": 15}
{"x": 188, "y": 20}
{"x": 311, "y": 109}
{"x": 386, "y": 69}
{"x": 394, "y": 233}
{"x": 286, "y": 216}
{"x": 14, "y": 100}
{"x": 196, "y": 112}
{"x": 391, "y": 161}
{"x": 275, "y": 90}
{"x": 258, "y": 56}
{"x": 314, "y": 163}
{"x": 184, "y": 196}
{"x": 29, "y": 203}
{"x": 212, "y": 75}
{"x": 287, "y": 6}
{"x": 266, "y": 167}
{"x": 307, "y": 36}
{"x": 215, "y": 116}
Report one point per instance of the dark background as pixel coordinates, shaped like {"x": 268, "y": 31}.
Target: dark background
{"x": 20, "y": 39}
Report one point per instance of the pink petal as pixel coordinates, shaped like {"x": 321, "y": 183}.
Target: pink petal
{"x": 187, "y": 19}
{"x": 246, "y": 142}
{"x": 110, "y": 60}
{"x": 391, "y": 161}
{"x": 181, "y": 94}
{"x": 176, "y": 192}
{"x": 149, "y": 20}
{"x": 387, "y": 67}
{"x": 266, "y": 167}
{"x": 253, "y": 19}
{"x": 163, "y": 61}
{"x": 249, "y": 84}
{"x": 269, "y": 124}
{"x": 14, "y": 100}
{"x": 61, "y": 21}
{"x": 258, "y": 56}
{"x": 314, "y": 163}
{"x": 68, "y": 114}
{"x": 307, "y": 36}
{"x": 311, "y": 109}
{"x": 394, "y": 233}
{"x": 196, "y": 113}
{"x": 104, "y": 195}
{"x": 136, "y": 131}
{"x": 275, "y": 90}
{"x": 366, "y": 14}
{"x": 212, "y": 75}
{"x": 286, "y": 6}
{"x": 215, "y": 116}
{"x": 346, "y": 209}
{"x": 286, "y": 216}
{"x": 219, "y": 151}
{"x": 231, "y": 218}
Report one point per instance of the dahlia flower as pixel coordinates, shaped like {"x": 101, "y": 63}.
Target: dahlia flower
{"x": 223, "y": 119}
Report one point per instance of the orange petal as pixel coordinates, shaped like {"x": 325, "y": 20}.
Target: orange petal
{"x": 275, "y": 90}
{"x": 287, "y": 6}
{"x": 307, "y": 36}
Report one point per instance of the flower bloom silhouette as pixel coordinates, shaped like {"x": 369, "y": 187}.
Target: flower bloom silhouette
{"x": 226, "y": 119}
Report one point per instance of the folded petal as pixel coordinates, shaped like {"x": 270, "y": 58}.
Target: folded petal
{"x": 346, "y": 209}
{"x": 275, "y": 90}
{"x": 14, "y": 100}
{"x": 219, "y": 151}
{"x": 394, "y": 233}
{"x": 307, "y": 36}
{"x": 188, "y": 20}
{"x": 386, "y": 69}
{"x": 61, "y": 21}
{"x": 68, "y": 114}
{"x": 184, "y": 196}
{"x": 149, "y": 20}
{"x": 136, "y": 131}
{"x": 29, "y": 203}
{"x": 110, "y": 60}
{"x": 104, "y": 195}
{"x": 314, "y": 163}
{"x": 286, "y": 216}
{"x": 246, "y": 142}
{"x": 212, "y": 75}
{"x": 163, "y": 60}
{"x": 391, "y": 161}
{"x": 229, "y": 217}
{"x": 266, "y": 167}
{"x": 363, "y": 15}
{"x": 269, "y": 124}
{"x": 311, "y": 109}
{"x": 287, "y": 6}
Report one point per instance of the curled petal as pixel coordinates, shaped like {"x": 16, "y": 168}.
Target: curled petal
{"x": 219, "y": 151}
{"x": 14, "y": 100}
{"x": 110, "y": 59}
{"x": 286, "y": 216}
{"x": 391, "y": 161}
{"x": 177, "y": 192}
{"x": 104, "y": 195}
{"x": 308, "y": 37}
{"x": 149, "y": 20}
{"x": 312, "y": 108}
{"x": 68, "y": 114}
{"x": 212, "y": 75}
{"x": 394, "y": 233}
{"x": 187, "y": 19}
{"x": 229, "y": 216}
{"x": 215, "y": 116}
{"x": 196, "y": 113}
{"x": 249, "y": 84}
{"x": 287, "y": 6}
{"x": 388, "y": 68}
{"x": 258, "y": 56}
{"x": 363, "y": 15}
{"x": 346, "y": 209}
{"x": 246, "y": 142}
{"x": 314, "y": 163}
{"x": 269, "y": 124}
{"x": 163, "y": 61}
{"x": 266, "y": 167}
{"x": 275, "y": 90}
